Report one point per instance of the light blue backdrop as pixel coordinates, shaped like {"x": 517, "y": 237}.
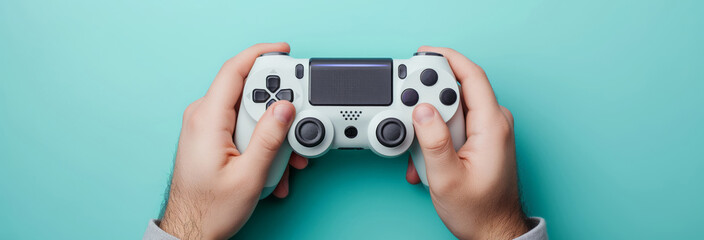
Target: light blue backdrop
{"x": 607, "y": 97}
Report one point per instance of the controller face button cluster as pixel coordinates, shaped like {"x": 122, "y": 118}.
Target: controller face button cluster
{"x": 285, "y": 94}
{"x": 409, "y": 97}
{"x": 391, "y": 132}
{"x": 310, "y": 132}
{"x": 299, "y": 71}
{"x": 260, "y": 95}
{"x": 428, "y": 77}
{"x": 402, "y": 71}
{"x": 448, "y": 96}
{"x": 272, "y": 83}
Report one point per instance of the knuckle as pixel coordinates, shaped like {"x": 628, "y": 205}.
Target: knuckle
{"x": 503, "y": 127}
{"x": 464, "y": 153}
{"x": 479, "y": 69}
{"x": 194, "y": 120}
{"x": 476, "y": 71}
{"x": 507, "y": 112}
{"x": 189, "y": 110}
{"x": 439, "y": 145}
{"x": 229, "y": 63}
{"x": 269, "y": 141}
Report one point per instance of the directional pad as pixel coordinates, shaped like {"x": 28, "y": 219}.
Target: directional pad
{"x": 285, "y": 94}
{"x": 272, "y": 101}
{"x": 272, "y": 83}
{"x": 272, "y": 93}
{"x": 260, "y": 95}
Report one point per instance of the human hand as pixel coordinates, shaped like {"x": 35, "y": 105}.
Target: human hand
{"x": 474, "y": 189}
{"x": 214, "y": 188}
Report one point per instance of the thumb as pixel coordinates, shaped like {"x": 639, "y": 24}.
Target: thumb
{"x": 441, "y": 161}
{"x": 269, "y": 134}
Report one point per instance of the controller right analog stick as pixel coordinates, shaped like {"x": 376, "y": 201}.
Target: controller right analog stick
{"x": 310, "y": 132}
{"x": 391, "y": 132}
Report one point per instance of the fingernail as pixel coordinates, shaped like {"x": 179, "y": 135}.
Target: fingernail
{"x": 283, "y": 112}
{"x": 423, "y": 113}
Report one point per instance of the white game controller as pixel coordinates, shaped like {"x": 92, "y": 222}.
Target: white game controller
{"x": 349, "y": 103}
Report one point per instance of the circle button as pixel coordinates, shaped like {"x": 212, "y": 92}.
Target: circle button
{"x": 448, "y": 96}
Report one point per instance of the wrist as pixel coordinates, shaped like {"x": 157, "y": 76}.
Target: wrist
{"x": 181, "y": 224}
{"x": 508, "y": 225}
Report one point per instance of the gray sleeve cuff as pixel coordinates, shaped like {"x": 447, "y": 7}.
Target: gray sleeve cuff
{"x": 154, "y": 232}
{"x": 539, "y": 231}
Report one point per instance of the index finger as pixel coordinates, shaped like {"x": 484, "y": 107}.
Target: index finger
{"x": 478, "y": 95}
{"x": 227, "y": 86}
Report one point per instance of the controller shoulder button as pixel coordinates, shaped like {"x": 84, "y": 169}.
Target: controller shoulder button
{"x": 427, "y": 54}
{"x": 274, "y": 54}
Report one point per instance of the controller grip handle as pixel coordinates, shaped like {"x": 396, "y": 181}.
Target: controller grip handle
{"x": 277, "y": 169}
{"x": 244, "y": 130}
{"x": 456, "y": 125}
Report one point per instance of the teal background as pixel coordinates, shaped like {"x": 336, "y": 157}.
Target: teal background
{"x": 607, "y": 97}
